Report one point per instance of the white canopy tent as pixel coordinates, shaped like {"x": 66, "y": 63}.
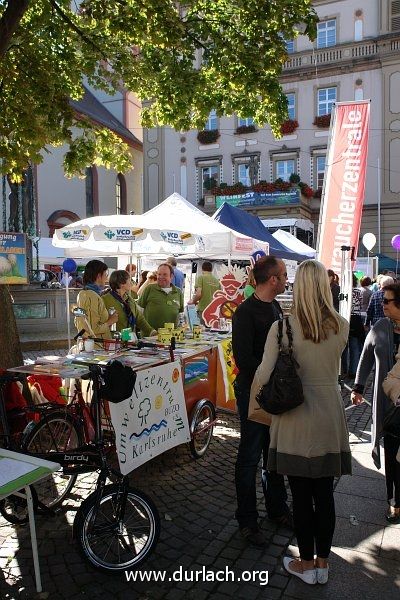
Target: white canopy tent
{"x": 291, "y": 242}
{"x": 173, "y": 227}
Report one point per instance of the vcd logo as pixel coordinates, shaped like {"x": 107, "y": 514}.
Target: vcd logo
{"x": 124, "y": 232}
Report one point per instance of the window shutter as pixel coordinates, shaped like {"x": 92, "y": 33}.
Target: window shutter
{"x": 395, "y": 15}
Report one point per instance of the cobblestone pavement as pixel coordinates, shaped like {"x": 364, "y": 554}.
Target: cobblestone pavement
{"x": 196, "y": 501}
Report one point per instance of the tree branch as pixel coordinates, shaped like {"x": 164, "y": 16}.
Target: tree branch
{"x": 75, "y": 28}
{"x": 9, "y": 22}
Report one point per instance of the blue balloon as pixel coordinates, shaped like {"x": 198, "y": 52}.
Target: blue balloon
{"x": 69, "y": 265}
{"x": 256, "y": 256}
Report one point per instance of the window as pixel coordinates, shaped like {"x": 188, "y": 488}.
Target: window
{"x": 120, "y": 195}
{"x": 326, "y": 33}
{"x": 319, "y": 170}
{"x": 284, "y": 169}
{"x": 245, "y": 122}
{"x": 289, "y": 46}
{"x": 243, "y": 174}
{"x": 358, "y": 30}
{"x": 212, "y": 121}
{"x": 358, "y": 94}
{"x": 326, "y": 99}
{"x": 209, "y": 178}
{"x": 291, "y": 98}
{"x": 89, "y": 192}
{"x": 246, "y": 169}
{"x": 395, "y": 15}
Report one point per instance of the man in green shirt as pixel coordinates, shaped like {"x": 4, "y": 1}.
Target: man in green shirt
{"x": 162, "y": 302}
{"x": 205, "y": 286}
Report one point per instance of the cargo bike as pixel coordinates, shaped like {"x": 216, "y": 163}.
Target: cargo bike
{"x": 117, "y": 526}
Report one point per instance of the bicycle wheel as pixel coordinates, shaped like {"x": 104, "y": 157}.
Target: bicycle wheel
{"x": 110, "y": 545}
{"x": 56, "y": 432}
{"x": 15, "y": 508}
{"x": 201, "y": 428}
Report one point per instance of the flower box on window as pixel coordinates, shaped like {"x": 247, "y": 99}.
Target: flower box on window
{"x": 245, "y": 129}
{"x": 230, "y": 190}
{"x": 306, "y": 190}
{"x": 323, "y": 121}
{"x": 289, "y": 126}
{"x": 208, "y": 136}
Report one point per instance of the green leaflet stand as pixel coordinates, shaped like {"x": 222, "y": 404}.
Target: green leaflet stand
{"x": 17, "y": 472}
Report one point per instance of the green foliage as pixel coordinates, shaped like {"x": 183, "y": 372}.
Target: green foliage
{"x": 184, "y": 60}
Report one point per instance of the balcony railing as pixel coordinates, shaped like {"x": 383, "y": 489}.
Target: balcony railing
{"x": 343, "y": 53}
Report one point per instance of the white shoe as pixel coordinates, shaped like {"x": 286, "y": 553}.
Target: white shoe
{"x": 322, "y": 575}
{"x": 309, "y": 576}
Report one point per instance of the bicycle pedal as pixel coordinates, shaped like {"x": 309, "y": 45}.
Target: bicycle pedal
{"x": 42, "y": 509}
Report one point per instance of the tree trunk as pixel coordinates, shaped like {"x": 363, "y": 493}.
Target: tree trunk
{"x": 10, "y": 348}
{"x": 9, "y": 22}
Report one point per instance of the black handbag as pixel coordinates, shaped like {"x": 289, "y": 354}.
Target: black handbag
{"x": 391, "y": 422}
{"x": 284, "y": 390}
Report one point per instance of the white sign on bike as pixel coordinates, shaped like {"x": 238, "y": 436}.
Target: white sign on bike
{"x": 153, "y": 419}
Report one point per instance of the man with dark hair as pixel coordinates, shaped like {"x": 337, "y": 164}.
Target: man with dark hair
{"x": 178, "y": 278}
{"x": 250, "y": 325}
{"x": 205, "y": 286}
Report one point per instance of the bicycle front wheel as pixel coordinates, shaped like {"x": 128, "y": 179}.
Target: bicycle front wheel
{"x": 56, "y": 432}
{"x": 112, "y": 545}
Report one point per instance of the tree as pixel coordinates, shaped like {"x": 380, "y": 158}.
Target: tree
{"x": 185, "y": 59}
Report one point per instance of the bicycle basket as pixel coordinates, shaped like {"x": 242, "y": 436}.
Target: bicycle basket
{"x": 119, "y": 382}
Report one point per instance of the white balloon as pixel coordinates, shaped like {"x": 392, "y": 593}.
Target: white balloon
{"x": 369, "y": 241}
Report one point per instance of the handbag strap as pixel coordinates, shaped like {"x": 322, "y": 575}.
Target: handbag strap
{"x": 280, "y": 334}
{"x": 289, "y": 335}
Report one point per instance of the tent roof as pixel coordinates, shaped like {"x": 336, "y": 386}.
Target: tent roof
{"x": 183, "y": 215}
{"x": 305, "y": 224}
{"x": 291, "y": 242}
{"x": 250, "y": 225}
{"x": 173, "y": 227}
{"x": 386, "y": 262}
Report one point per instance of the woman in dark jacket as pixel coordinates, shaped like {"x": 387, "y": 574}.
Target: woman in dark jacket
{"x": 380, "y": 348}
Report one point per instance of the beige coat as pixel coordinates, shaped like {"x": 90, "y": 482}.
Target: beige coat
{"x": 311, "y": 440}
{"x": 96, "y": 312}
{"x": 391, "y": 384}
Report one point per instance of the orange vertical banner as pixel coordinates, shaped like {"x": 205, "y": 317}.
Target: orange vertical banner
{"x": 344, "y": 184}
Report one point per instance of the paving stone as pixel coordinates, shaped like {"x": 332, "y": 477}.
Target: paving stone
{"x": 278, "y": 581}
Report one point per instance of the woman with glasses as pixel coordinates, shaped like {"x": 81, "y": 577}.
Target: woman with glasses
{"x": 94, "y": 280}
{"x": 380, "y": 349}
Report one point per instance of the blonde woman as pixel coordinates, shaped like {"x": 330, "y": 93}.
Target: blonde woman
{"x": 310, "y": 443}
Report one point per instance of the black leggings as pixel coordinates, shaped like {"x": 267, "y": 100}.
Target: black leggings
{"x": 392, "y": 469}
{"x": 313, "y": 515}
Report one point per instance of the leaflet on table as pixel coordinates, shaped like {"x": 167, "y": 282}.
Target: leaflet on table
{"x": 12, "y": 469}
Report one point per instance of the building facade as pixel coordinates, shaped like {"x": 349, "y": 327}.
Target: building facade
{"x": 48, "y": 200}
{"x": 355, "y": 57}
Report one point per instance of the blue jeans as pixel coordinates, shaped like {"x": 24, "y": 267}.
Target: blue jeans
{"x": 351, "y": 355}
{"x": 254, "y": 443}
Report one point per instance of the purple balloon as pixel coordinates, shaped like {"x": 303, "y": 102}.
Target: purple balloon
{"x": 396, "y": 242}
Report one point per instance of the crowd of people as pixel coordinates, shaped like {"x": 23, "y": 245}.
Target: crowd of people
{"x": 121, "y": 299}
{"x": 310, "y": 444}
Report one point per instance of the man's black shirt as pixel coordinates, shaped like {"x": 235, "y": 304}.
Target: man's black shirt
{"x": 250, "y": 326}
